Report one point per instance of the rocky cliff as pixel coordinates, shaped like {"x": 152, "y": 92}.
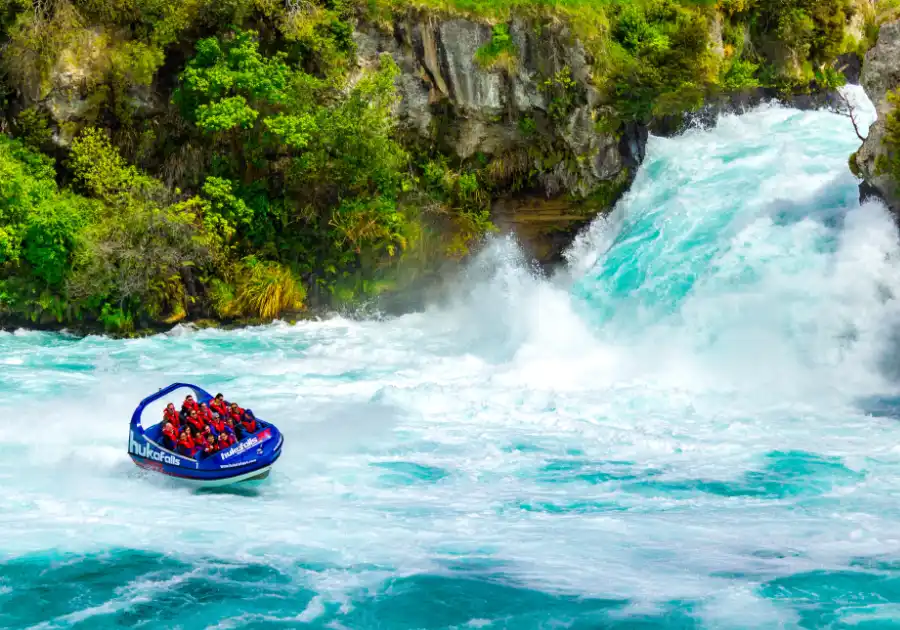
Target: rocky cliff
{"x": 513, "y": 114}
{"x": 880, "y": 78}
{"x": 546, "y": 115}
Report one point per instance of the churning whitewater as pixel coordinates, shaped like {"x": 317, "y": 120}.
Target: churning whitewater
{"x": 691, "y": 427}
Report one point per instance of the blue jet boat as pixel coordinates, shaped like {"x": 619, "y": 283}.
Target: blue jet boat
{"x": 248, "y": 460}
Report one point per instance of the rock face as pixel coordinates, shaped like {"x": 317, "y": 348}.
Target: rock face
{"x": 79, "y": 83}
{"x": 880, "y": 75}
{"x": 532, "y": 116}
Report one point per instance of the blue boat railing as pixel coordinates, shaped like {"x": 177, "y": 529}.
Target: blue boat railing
{"x": 201, "y": 394}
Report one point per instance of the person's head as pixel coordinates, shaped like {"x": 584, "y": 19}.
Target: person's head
{"x": 220, "y": 397}
{"x": 203, "y": 406}
{"x": 234, "y": 406}
{"x": 171, "y": 406}
{"x": 223, "y": 438}
{"x": 189, "y": 398}
{"x": 215, "y": 415}
{"x": 249, "y": 414}
{"x": 193, "y": 413}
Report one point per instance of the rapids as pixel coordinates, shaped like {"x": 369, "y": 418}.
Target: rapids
{"x": 691, "y": 427}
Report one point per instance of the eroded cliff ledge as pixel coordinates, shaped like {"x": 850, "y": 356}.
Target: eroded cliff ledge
{"x": 530, "y": 117}
{"x": 876, "y": 160}
{"x": 559, "y": 128}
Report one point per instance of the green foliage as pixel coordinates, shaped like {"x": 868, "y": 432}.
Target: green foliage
{"x": 333, "y": 203}
{"x": 227, "y": 81}
{"x": 114, "y": 319}
{"x": 662, "y": 62}
{"x": 637, "y": 35}
{"x": 563, "y": 91}
{"x": 830, "y": 79}
{"x": 223, "y": 211}
{"x": 323, "y": 34}
{"x": 100, "y": 169}
{"x": 527, "y": 126}
{"x": 889, "y": 163}
{"x": 799, "y": 34}
{"x": 39, "y": 231}
{"x": 500, "y": 52}
{"x": 740, "y": 75}
{"x": 117, "y": 259}
{"x": 32, "y": 128}
{"x": 131, "y": 261}
{"x": 266, "y": 289}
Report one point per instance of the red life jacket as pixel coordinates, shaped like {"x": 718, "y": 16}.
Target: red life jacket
{"x": 169, "y": 431}
{"x": 205, "y": 414}
{"x": 218, "y": 406}
{"x": 190, "y": 406}
{"x": 188, "y": 443}
{"x": 218, "y": 425}
{"x": 172, "y": 416}
{"x": 249, "y": 424}
{"x": 236, "y": 415}
{"x": 196, "y": 422}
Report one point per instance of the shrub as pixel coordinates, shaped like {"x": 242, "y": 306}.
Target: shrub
{"x": 266, "y": 289}
{"x": 500, "y": 52}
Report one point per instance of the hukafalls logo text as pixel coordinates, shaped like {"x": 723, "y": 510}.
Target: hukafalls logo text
{"x": 237, "y": 449}
{"x": 145, "y": 450}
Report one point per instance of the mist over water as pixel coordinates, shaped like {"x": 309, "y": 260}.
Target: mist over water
{"x": 678, "y": 431}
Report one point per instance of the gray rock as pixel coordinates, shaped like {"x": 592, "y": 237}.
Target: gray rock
{"x": 451, "y": 100}
{"x": 880, "y": 75}
{"x": 471, "y": 86}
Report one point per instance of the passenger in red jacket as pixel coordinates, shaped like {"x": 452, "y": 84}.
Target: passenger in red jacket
{"x": 171, "y": 415}
{"x": 188, "y": 405}
{"x": 204, "y": 413}
{"x": 170, "y": 435}
{"x": 248, "y": 422}
{"x": 234, "y": 428}
{"x": 195, "y": 423}
{"x": 208, "y": 443}
{"x": 235, "y": 412}
{"x": 217, "y": 423}
{"x": 186, "y": 444}
{"x": 225, "y": 440}
{"x": 219, "y": 405}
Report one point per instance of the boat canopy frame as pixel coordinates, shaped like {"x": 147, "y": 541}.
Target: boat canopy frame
{"x": 202, "y": 397}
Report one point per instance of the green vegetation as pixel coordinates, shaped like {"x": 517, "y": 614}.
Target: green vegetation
{"x": 229, "y": 159}
{"x": 500, "y": 52}
{"x": 299, "y": 188}
{"x": 889, "y": 163}
{"x": 655, "y": 57}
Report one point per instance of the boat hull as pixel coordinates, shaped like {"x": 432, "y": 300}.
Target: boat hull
{"x": 257, "y": 474}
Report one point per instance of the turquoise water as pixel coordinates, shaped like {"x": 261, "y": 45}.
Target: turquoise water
{"x": 695, "y": 426}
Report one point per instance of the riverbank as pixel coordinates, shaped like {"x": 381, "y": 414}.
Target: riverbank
{"x": 239, "y": 163}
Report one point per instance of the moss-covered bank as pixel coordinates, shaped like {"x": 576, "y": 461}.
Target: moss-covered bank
{"x": 165, "y": 162}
